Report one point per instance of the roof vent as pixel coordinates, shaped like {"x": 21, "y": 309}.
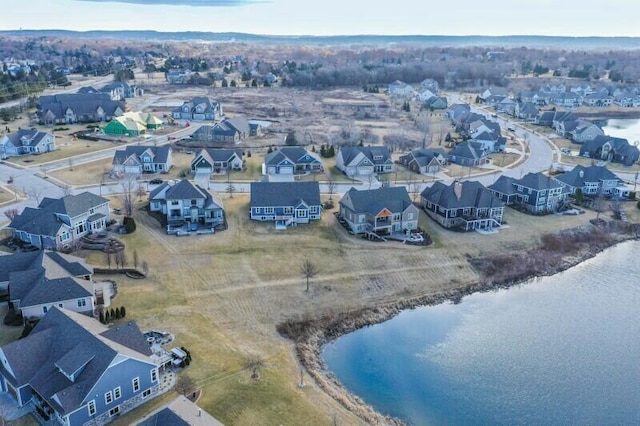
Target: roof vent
{"x": 581, "y": 173}
{"x": 457, "y": 189}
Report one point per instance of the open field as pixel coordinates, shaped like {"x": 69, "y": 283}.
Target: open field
{"x": 223, "y": 294}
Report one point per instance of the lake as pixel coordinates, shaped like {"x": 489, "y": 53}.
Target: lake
{"x": 623, "y": 128}
{"x": 554, "y": 351}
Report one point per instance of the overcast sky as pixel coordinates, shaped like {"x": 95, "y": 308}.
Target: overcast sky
{"x": 331, "y": 17}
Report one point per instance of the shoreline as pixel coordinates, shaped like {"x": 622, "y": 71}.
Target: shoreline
{"x": 311, "y": 335}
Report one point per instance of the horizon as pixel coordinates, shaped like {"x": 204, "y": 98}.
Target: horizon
{"x": 493, "y": 18}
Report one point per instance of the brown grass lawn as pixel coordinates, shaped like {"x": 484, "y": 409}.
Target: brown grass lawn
{"x": 84, "y": 174}
{"x": 223, "y": 294}
{"x": 5, "y": 195}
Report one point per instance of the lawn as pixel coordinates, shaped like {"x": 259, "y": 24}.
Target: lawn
{"x": 5, "y": 195}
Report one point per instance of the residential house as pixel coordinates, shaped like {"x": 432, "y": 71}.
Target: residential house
{"x": 132, "y": 124}
{"x": 229, "y": 130}
{"x": 183, "y": 203}
{"x": 255, "y": 128}
{"x": 495, "y": 92}
{"x": 538, "y": 98}
{"x": 400, "y": 89}
{"x": 285, "y": 203}
{"x": 464, "y": 206}
{"x": 429, "y": 84}
{"x": 504, "y": 189}
{"x": 71, "y": 370}
{"x": 424, "y": 161}
{"x": 527, "y": 111}
{"x": 566, "y": 99}
{"x": 38, "y": 280}
{"x": 506, "y": 105}
{"x": 425, "y": 95}
{"x": 77, "y": 108}
{"x": 539, "y": 194}
{"x": 58, "y": 223}
{"x": 384, "y": 210}
{"x": 210, "y": 160}
{"x": 179, "y": 412}
{"x": 364, "y": 161}
{"x": 199, "y": 108}
{"x": 469, "y": 154}
{"x": 138, "y": 159}
{"x": 597, "y": 100}
{"x": 494, "y": 100}
{"x": 436, "y": 102}
{"x": 26, "y": 142}
{"x": 584, "y": 131}
{"x": 608, "y": 148}
{"x": 291, "y": 160}
{"x": 456, "y": 110}
{"x": 120, "y": 90}
{"x": 179, "y": 76}
{"x": 490, "y": 141}
{"x": 591, "y": 180}
{"x": 561, "y": 117}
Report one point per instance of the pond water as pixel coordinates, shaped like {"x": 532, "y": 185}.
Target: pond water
{"x": 627, "y": 128}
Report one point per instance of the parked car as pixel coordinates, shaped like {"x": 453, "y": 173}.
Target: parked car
{"x": 155, "y": 181}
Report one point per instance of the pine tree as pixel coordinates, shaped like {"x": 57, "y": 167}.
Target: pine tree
{"x": 107, "y": 317}
{"x": 101, "y": 317}
{"x": 123, "y": 313}
{"x": 323, "y": 151}
{"x": 269, "y": 151}
{"x": 112, "y": 314}
{"x": 118, "y": 316}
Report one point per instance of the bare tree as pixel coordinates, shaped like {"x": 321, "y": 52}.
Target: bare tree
{"x": 11, "y": 213}
{"x": 145, "y": 267}
{"x": 35, "y": 193}
{"x": 44, "y": 170}
{"x": 70, "y": 163}
{"x": 67, "y": 190}
{"x": 135, "y": 259}
{"x": 140, "y": 192}
{"x": 308, "y": 270}
{"x": 230, "y": 188}
{"x": 254, "y": 363}
{"x": 599, "y": 205}
{"x": 331, "y": 186}
{"x": 128, "y": 190}
{"x": 185, "y": 385}
{"x": 108, "y": 257}
{"x": 103, "y": 178}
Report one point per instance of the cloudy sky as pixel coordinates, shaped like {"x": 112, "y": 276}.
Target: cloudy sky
{"x": 331, "y": 17}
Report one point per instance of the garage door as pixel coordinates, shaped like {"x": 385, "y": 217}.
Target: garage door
{"x": 286, "y": 170}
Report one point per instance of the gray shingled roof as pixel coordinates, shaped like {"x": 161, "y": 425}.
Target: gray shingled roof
{"x": 283, "y": 194}
{"x": 160, "y": 154}
{"x": 469, "y": 149}
{"x": 184, "y": 190}
{"x": 538, "y": 182}
{"x": 43, "y": 290}
{"x": 54, "y": 337}
{"x": 472, "y": 194}
{"x": 295, "y": 154}
{"x": 504, "y": 185}
{"x": 25, "y": 137}
{"x": 36, "y": 260}
{"x": 164, "y": 417}
{"x": 580, "y": 175}
{"x": 372, "y": 201}
{"x": 350, "y": 152}
{"x": 212, "y": 154}
{"x": 80, "y": 103}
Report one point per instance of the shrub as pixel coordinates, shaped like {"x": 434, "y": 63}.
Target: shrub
{"x": 123, "y": 313}
{"x": 129, "y": 224}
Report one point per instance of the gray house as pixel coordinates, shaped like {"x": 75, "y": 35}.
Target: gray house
{"x": 199, "y": 108}
{"x": 135, "y": 160}
{"x": 229, "y": 130}
{"x": 77, "y": 108}
{"x": 608, "y": 148}
{"x": 186, "y": 203}
{"x": 58, "y": 223}
{"x": 592, "y": 180}
{"x": 504, "y": 189}
{"x": 469, "y": 153}
{"x": 424, "y": 161}
{"x": 464, "y": 206}
{"x": 539, "y": 194}
{"x": 364, "y": 161}
{"x": 208, "y": 161}
{"x": 290, "y": 160}
{"x": 26, "y": 142}
{"x": 384, "y": 210}
{"x": 285, "y": 203}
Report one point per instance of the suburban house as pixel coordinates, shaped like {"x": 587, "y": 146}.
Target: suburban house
{"x": 591, "y": 180}
{"x": 566, "y": 99}
{"x": 436, "y": 102}
{"x": 384, "y": 210}
{"x": 464, "y": 206}
{"x": 229, "y": 130}
{"x": 285, "y": 203}
{"x": 527, "y": 111}
{"x": 364, "y": 161}
{"x": 597, "y": 100}
{"x": 456, "y": 110}
{"x": 506, "y": 105}
{"x": 424, "y": 161}
{"x": 290, "y": 160}
{"x": 132, "y": 124}
{"x": 608, "y": 148}
{"x": 58, "y": 223}
{"x": 469, "y": 154}
{"x": 504, "y": 189}
{"x": 120, "y": 90}
{"x": 429, "y": 84}
{"x": 178, "y": 76}
{"x": 539, "y": 194}
{"x": 186, "y": 203}
{"x": 179, "y": 412}
{"x": 210, "y": 160}
{"x": 401, "y": 89}
{"x": 77, "y": 108}
{"x": 78, "y": 372}
{"x": 584, "y": 131}
{"x": 492, "y": 142}
{"x": 424, "y": 95}
{"x": 199, "y": 108}
{"x": 38, "y": 280}
{"x": 496, "y": 92}
{"x": 26, "y": 142}
{"x": 138, "y": 159}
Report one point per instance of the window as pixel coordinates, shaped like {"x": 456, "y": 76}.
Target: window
{"x": 91, "y": 406}
{"x": 288, "y": 210}
{"x": 146, "y": 393}
{"x": 114, "y": 411}
{"x": 108, "y": 397}
{"x": 194, "y": 202}
{"x": 60, "y": 305}
{"x": 64, "y": 236}
{"x": 136, "y": 384}
{"x": 81, "y": 302}
{"x": 409, "y": 216}
{"x": 268, "y": 210}
{"x": 44, "y": 309}
{"x": 154, "y": 375}
{"x": 117, "y": 393}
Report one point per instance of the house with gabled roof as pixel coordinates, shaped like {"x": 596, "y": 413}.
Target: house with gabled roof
{"x": 290, "y": 160}
{"x": 527, "y": 111}
{"x": 364, "y": 161}
{"x": 132, "y": 124}
{"x": 469, "y": 154}
{"x": 424, "y": 161}
{"x": 120, "y": 90}
{"x": 492, "y": 142}
{"x": 59, "y": 223}
{"x": 184, "y": 202}
{"x": 199, "y": 108}
{"x": 26, "y": 141}
{"x": 401, "y": 89}
{"x": 179, "y": 412}
{"x": 539, "y": 194}
{"x": 609, "y": 148}
{"x": 385, "y": 210}
{"x": 229, "y": 130}
{"x": 285, "y": 203}
{"x": 591, "y": 180}
{"x": 464, "y": 206}
{"x": 213, "y": 160}
{"x": 429, "y": 84}
{"x": 584, "y": 131}
{"x": 456, "y": 110}
{"x": 67, "y": 108}
{"x": 78, "y": 371}
{"x": 504, "y": 189}
{"x": 436, "y": 102}
{"x": 138, "y": 159}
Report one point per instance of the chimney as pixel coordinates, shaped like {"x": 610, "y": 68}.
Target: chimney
{"x": 457, "y": 189}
